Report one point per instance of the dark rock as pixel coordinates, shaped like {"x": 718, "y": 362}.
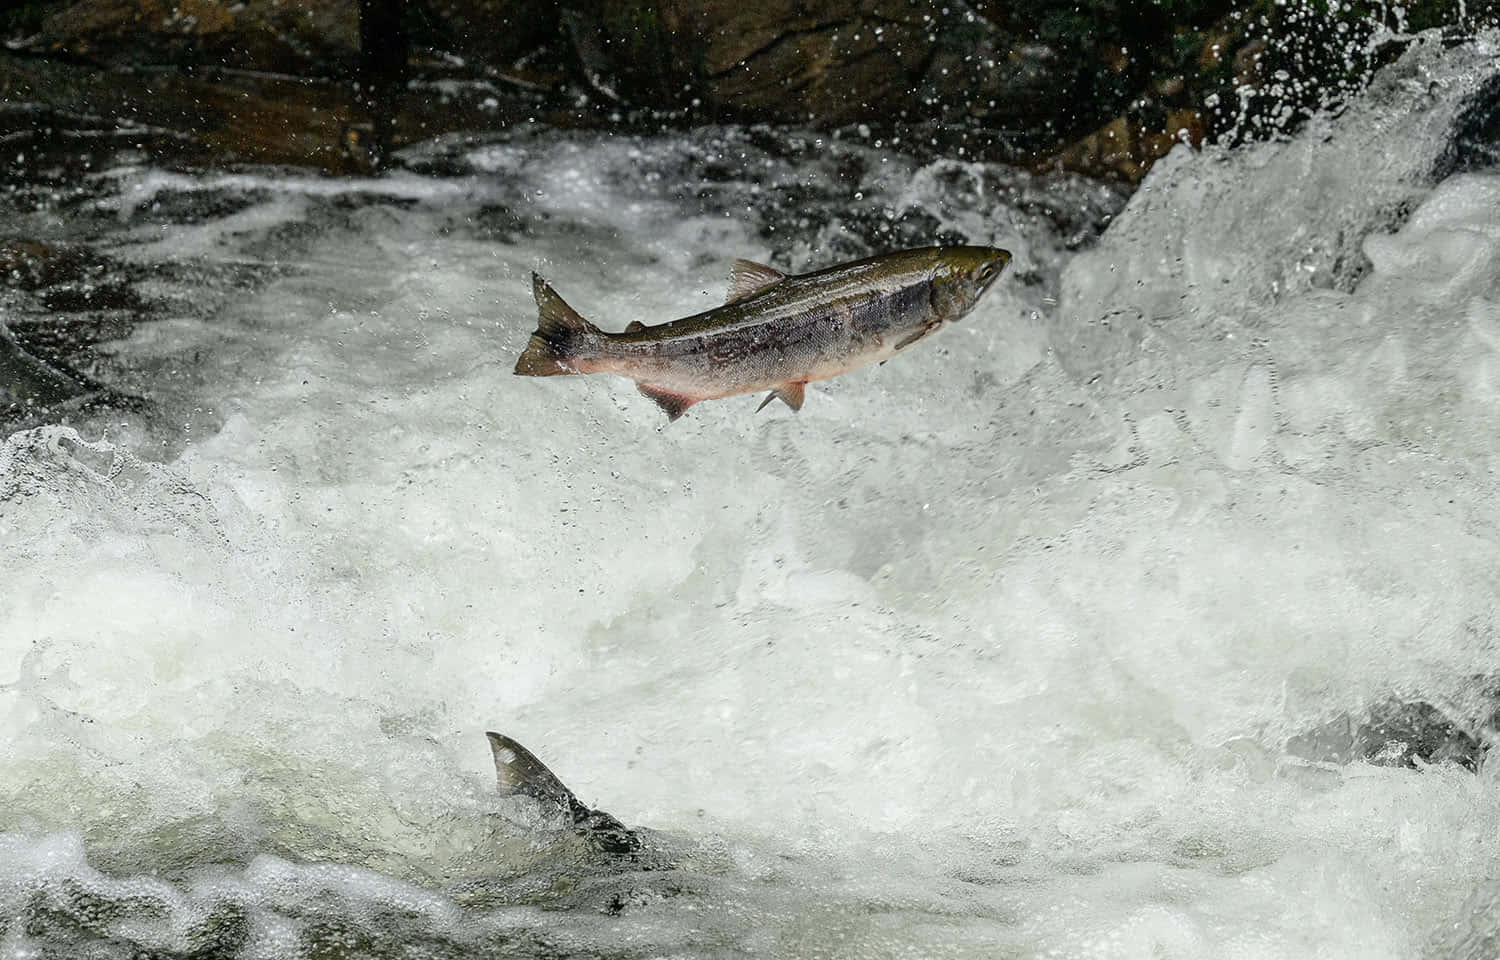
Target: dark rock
{"x": 1475, "y": 142}
{"x": 1400, "y": 733}
{"x": 926, "y": 63}
{"x": 1124, "y": 149}
{"x": 846, "y": 62}
{"x": 71, "y": 119}
{"x": 499, "y": 32}
{"x": 29, "y": 265}
{"x": 263, "y": 35}
{"x": 53, "y": 148}
{"x": 65, "y": 278}
{"x": 1103, "y": 86}
{"x": 59, "y": 302}
{"x": 29, "y": 385}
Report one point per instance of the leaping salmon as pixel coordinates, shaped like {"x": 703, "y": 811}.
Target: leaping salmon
{"x": 775, "y": 332}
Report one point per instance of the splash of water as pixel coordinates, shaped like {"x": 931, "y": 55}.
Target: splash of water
{"x": 992, "y": 649}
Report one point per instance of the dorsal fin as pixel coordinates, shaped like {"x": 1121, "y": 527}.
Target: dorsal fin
{"x": 518, "y": 771}
{"x": 633, "y": 326}
{"x": 747, "y": 276}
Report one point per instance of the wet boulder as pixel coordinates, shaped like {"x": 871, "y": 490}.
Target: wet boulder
{"x": 782, "y": 60}
{"x": 1406, "y": 733}
{"x": 501, "y": 33}
{"x": 786, "y": 61}
{"x": 29, "y": 385}
{"x": 830, "y": 63}
{"x": 56, "y": 303}
{"x": 1104, "y": 87}
{"x": 264, "y": 35}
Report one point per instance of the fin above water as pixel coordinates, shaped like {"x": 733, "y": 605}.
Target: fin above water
{"x": 634, "y": 326}
{"x": 519, "y": 773}
{"x": 790, "y": 393}
{"x": 674, "y": 404}
{"x": 747, "y": 276}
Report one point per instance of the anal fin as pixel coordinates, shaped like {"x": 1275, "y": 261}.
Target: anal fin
{"x": 790, "y": 394}
{"x": 673, "y": 404}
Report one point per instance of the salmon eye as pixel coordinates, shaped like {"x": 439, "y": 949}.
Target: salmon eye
{"x": 987, "y": 273}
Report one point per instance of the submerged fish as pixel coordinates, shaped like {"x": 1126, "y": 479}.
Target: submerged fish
{"x": 588, "y": 860}
{"x": 520, "y": 773}
{"x": 776, "y": 332}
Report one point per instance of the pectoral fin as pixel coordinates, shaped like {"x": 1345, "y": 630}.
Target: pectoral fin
{"x": 912, "y": 338}
{"x": 790, "y": 393}
{"x": 673, "y": 404}
{"x": 747, "y": 276}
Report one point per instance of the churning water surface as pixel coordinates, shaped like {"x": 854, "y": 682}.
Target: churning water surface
{"x": 1070, "y": 633}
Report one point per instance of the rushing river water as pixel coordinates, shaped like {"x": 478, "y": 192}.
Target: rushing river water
{"x": 1150, "y": 611}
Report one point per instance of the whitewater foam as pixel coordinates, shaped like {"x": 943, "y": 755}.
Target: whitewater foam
{"x": 995, "y": 648}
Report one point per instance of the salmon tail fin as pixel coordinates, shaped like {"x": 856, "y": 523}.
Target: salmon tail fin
{"x": 561, "y": 336}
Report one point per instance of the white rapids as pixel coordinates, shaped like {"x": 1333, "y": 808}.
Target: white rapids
{"x": 995, "y": 650}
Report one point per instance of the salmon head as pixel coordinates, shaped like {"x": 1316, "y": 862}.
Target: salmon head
{"x": 962, "y": 276}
